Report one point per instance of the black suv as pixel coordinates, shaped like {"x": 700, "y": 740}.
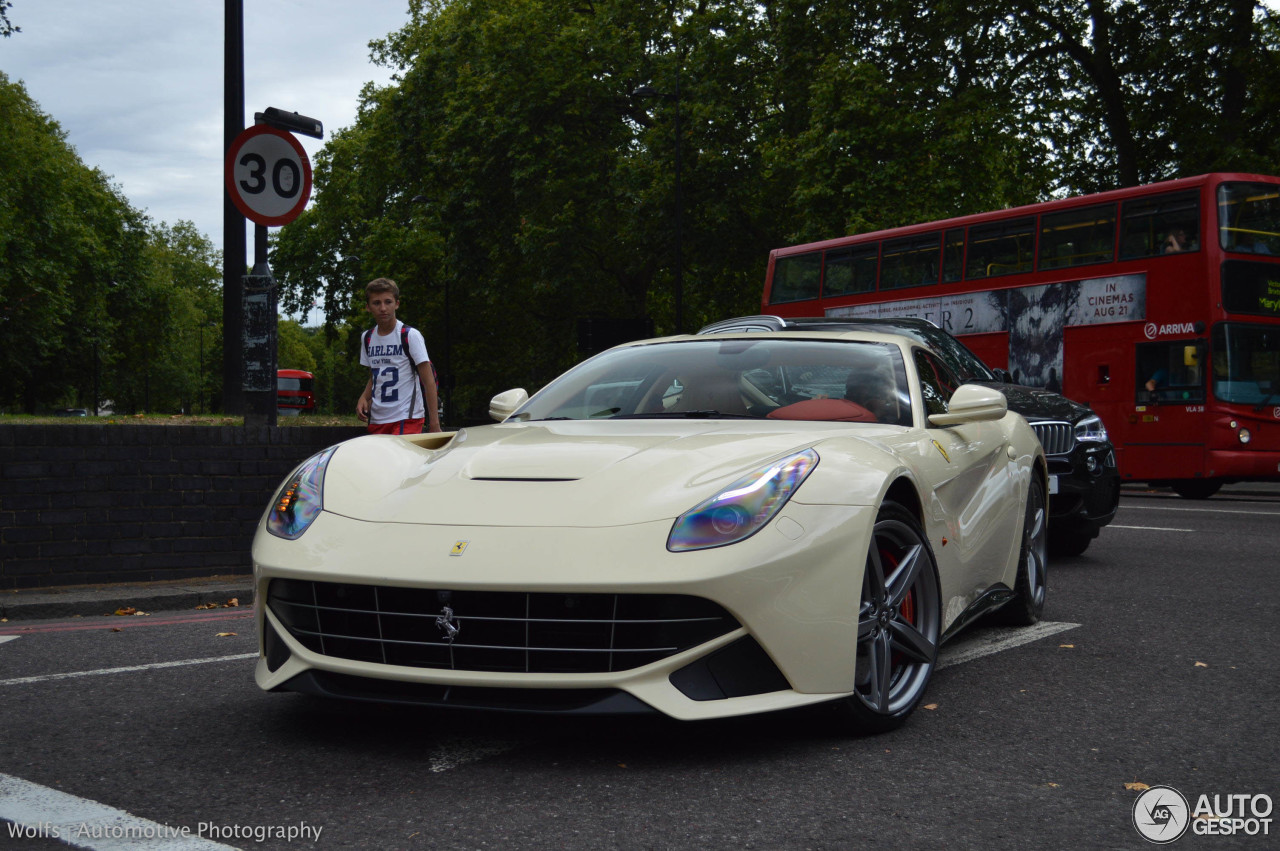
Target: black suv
{"x": 1084, "y": 483}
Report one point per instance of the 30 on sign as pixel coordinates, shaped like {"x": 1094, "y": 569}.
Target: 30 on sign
{"x": 268, "y": 175}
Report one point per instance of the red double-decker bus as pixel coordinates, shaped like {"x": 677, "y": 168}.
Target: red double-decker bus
{"x": 1158, "y": 306}
{"x": 295, "y": 392}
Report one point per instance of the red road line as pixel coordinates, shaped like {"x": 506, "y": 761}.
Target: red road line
{"x": 124, "y": 621}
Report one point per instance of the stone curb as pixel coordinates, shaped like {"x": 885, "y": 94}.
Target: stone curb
{"x": 99, "y": 600}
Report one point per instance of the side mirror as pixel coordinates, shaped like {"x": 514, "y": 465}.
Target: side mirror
{"x": 972, "y": 403}
{"x": 505, "y": 404}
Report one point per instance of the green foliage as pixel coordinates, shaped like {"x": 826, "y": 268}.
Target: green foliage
{"x": 92, "y": 295}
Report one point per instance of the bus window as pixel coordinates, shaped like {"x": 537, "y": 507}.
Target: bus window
{"x": 953, "y": 256}
{"x": 1001, "y": 248}
{"x": 1249, "y": 218}
{"x": 1170, "y": 372}
{"x": 796, "y": 278}
{"x": 850, "y": 270}
{"x": 1078, "y": 237}
{"x": 910, "y": 262}
{"x": 1246, "y": 363}
{"x": 1165, "y": 224}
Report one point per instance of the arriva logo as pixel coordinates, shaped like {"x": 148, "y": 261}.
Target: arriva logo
{"x": 1152, "y": 330}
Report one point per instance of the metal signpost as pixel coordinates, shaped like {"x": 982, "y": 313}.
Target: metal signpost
{"x": 268, "y": 177}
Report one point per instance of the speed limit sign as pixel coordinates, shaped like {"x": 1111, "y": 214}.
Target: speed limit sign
{"x": 268, "y": 175}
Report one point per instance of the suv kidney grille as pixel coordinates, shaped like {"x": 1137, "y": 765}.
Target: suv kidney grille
{"x": 544, "y": 632}
{"x": 1056, "y": 438}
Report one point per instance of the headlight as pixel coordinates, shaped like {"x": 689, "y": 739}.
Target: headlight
{"x": 1091, "y": 430}
{"x": 743, "y": 508}
{"x": 300, "y": 498}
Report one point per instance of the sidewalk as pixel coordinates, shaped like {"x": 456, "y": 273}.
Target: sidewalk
{"x": 97, "y": 600}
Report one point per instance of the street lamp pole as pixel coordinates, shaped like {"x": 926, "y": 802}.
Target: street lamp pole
{"x": 674, "y": 97}
{"x": 446, "y": 364}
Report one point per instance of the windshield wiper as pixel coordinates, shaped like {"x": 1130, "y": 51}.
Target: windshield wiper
{"x": 1267, "y": 401}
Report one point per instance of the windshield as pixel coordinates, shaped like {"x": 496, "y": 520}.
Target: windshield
{"x": 1249, "y": 217}
{"x": 1246, "y": 363}
{"x": 778, "y": 379}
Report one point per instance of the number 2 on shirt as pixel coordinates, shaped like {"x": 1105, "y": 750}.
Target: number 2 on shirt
{"x": 390, "y": 392}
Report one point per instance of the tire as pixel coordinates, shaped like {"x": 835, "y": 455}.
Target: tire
{"x": 1196, "y": 488}
{"x": 899, "y": 624}
{"x": 1069, "y": 539}
{"x": 1031, "y": 585}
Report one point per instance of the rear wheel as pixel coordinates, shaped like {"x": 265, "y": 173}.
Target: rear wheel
{"x": 899, "y": 623}
{"x": 1031, "y": 584}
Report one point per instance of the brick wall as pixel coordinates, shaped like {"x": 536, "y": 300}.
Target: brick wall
{"x": 105, "y": 503}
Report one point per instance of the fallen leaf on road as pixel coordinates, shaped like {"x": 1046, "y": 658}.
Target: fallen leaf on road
{"x": 1201, "y": 665}
{"x": 1136, "y": 787}
{"x": 931, "y": 706}
{"x": 225, "y": 634}
{"x": 1067, "y": 646}
{"x": 129, "y": 610}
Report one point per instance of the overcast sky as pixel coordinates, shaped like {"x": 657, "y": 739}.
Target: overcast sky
{"x": 137, "y": 85}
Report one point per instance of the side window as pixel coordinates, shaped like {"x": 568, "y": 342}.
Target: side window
{"x": 953, "y": 256}
{"x": 910, "y": 262}
{"x": 1078, "y": 237}
{"x": 1170, "y": 372}
{"x": 851, "y": 270}
{"x": 796, "y": 278}
{"x": 1001, "y": 248}
{"x": 937, "y": 384}
{"x": 1165, "y": 224}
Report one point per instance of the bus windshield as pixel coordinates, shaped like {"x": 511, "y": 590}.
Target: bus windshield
{"x": 1246, "y": 363}
{"x": 1249, "y": 217}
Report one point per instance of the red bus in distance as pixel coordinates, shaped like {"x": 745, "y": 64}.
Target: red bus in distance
{"x": 1158, "y": 306}
{"x": 295, "y": 392}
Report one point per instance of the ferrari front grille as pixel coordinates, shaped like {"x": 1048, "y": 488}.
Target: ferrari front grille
{"x": 1056, "y": 438}
{"x": 509, "y": 631}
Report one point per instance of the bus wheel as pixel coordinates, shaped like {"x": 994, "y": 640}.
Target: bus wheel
{"x": 1196, "y": 488}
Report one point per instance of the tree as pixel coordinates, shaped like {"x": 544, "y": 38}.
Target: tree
{"x": 96, "y": 302}
{"x": 6, "y": 28}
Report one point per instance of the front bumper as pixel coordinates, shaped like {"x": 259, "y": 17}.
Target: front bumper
{"x": 792, "y": 591}
{"x": 1088, "y": 487}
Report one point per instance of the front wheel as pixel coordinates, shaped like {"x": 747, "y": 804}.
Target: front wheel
{"x": 899, "y": 623}
{"x": 1031, "y": 584}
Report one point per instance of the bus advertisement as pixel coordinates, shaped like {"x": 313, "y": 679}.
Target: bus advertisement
{"x": 294, "y": 392}
{"x": 1158, "y": 306}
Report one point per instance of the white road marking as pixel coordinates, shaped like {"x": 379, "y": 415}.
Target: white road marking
{"x": 44, "y": 678}
{"x": 1130, "y": 507}
{"x": 36, "y": 811}
{"x": 988, "y": 641}
{"x": 4, "y": 638}
{"x": 1148, "y": 528}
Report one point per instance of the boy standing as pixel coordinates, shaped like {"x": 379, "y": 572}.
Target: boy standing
{"x": 396, "y": 356}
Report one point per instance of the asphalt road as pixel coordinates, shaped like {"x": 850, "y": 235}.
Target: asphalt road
{"x": 1162, "y": 671}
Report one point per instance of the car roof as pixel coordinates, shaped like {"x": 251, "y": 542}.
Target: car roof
{"x": 765, "y": 322}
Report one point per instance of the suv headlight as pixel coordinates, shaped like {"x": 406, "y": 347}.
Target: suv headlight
{"x": 743, "y": 508}
{"x": 1091, "y": 430}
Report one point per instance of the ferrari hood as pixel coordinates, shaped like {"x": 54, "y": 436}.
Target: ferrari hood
{"x": 571, "y": 473}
